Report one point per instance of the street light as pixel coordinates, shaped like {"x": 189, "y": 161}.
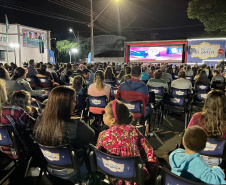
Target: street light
{"x": 91, "y": 25}
{"x": 71, "y": 30}
{"x": 73, "y": 50}
{"x": 14, "y": 45}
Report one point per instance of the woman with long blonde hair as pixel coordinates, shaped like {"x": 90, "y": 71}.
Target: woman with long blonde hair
{"x": 213, "y": 116}
{"x": 99, "y": 88}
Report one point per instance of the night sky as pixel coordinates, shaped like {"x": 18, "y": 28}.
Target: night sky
{"x": 166, "y": 17}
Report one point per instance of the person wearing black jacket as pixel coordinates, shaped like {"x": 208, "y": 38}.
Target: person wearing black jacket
{"x": 56, "y": 127}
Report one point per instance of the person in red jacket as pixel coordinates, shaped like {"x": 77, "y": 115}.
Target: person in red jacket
{"x": 133, "y": 90}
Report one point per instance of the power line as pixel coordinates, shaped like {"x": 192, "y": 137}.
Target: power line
{"x": 49, "y": 14}
{"x": 76, "y": 7}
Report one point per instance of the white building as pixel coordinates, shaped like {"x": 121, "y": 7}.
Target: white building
{"x": 28, "y": 39}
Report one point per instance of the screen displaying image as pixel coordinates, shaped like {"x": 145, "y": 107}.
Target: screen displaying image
{"x": 32, "y": 39}
{"x": 157, "y": 54}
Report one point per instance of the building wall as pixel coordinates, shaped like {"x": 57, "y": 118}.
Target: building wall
{"x": 107, "y": 59}
{"x": 23, "y": 53}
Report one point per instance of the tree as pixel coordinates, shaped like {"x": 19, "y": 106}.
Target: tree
{"x": 64, "y": 47}
{"x": 212, "y": 13}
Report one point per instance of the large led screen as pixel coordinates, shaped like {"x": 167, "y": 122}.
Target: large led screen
{"x": 156, "y": 54}
{"x": 32, "y": 39}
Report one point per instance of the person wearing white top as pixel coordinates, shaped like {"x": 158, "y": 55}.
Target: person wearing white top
{"x": 181, "y": 83}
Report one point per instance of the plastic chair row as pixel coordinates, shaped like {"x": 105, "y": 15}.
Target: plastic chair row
{"x": 125, "y": 168}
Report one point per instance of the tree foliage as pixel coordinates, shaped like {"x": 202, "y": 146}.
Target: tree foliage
{"x": 64, "y": 47}
{"x": 212, "y": 13}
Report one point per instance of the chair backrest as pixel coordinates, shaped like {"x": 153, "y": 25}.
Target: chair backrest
{"x": 44, "y": 82}
{"x": 31, "y": 81}
{"x": 215, "y": 147}
{"x": 134, "y": 106}
{"x": 114, "y": 91}
{"x": 166, "y": 177}
{"x": 8, "y": 139}
{"x": 200, "y": 87}
{"x": 176, "y": 77}
{"x": 159, "y": 91}
{"x": 178, "y": 97}
{"x": 124, "y": 168}
{"x": 117, "y": 81}
{"x": 59, "y": 157}
{"x": 179, "y": 92}
{"x": 201, "y": 95}
{"x": 111, "y": 83}
{"x": 97, "y": 101}
{"x": 189, "y": 78}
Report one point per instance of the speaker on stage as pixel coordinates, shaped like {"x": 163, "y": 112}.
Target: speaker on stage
{"x": 41, "y": 47}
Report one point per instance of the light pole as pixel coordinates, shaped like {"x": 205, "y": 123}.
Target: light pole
{"x": 73, "y": 50}
{"x": 91, "y": 25}
{"x": 14, "y": 45}
{"x": 71, "y": 30}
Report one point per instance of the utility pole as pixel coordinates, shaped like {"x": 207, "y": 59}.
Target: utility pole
{"x": 92, "y": 39}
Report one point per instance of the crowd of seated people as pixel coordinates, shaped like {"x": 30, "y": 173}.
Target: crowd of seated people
{"x": 55, "y": 125}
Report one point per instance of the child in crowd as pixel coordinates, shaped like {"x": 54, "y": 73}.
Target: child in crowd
{"x": 188, "y": 163}
{"x": 123, "y": 139}
{"x": 23, "y": 99}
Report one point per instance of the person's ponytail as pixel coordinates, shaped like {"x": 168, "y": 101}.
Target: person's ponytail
{"x": 99, "y": 77}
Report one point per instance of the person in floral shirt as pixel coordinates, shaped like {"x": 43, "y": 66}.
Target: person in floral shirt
{"x": 123, "y": 139}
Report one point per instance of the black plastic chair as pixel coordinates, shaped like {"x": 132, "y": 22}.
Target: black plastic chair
{"x": 166, "y": 177}
{"x": 117, "y": 81}
{"x": 32, "y": 82}
{"x": 59, "y": 158}
{"x": 44, "y": 82}
{"x": 157, "y": 101}
{"x": 111, "y": 83}
{"x": 179, "y": 101}
{"x": 9, "y": 143}
{"x": 215, "y": 147}
{"x": 96, "y": 102}
{"x": 200, "y": 94}
{"x": 123, "y": 168}
{"x": 137, "y": 109}
{"x": 114, "y": 91}
{"x": 189, "y": 78}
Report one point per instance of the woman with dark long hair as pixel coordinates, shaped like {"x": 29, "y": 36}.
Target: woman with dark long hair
{"x": 109, "y": 74}
{"x": 44, "y": 72}
{"x": 21, "y": 84}
{"x": 56, "y": 127}
{"x": 202, "y": 79}
{"x": 78, "y": 86}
